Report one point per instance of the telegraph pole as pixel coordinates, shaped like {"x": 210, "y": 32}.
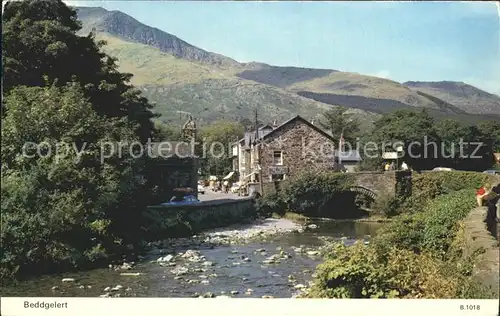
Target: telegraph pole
{"x": 258, "y": 153}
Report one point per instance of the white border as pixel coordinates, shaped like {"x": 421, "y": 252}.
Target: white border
{"x": 14, "y": 306}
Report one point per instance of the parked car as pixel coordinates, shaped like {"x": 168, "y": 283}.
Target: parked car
{"x": 182, "y": 200}
{"x": 201, "y": 189}
{"x": 443, "y": 169}
{"x": 492, "y": 172}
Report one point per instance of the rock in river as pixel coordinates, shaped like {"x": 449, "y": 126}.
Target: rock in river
{"x": 167, "y": 258}
{"x": 312, "y": 226}
{"x": 180, "y": 271}
{"x": 68, "y": 280}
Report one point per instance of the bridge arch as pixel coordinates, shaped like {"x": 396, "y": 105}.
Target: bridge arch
{"x": 364, "y": 191}
{"x": 364, "y": 196}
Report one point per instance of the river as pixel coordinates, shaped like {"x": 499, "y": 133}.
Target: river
{"x": 277, "y": 266}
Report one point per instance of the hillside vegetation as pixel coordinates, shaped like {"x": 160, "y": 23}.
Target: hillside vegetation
{"x": 178, "y": 76}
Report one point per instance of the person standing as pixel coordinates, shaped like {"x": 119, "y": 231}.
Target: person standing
{"x": 404, "y": 166}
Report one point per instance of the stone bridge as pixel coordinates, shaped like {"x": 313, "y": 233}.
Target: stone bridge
{"x": 377, "y": 183}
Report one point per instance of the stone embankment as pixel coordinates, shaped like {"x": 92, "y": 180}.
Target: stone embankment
{"x": 479, "y": 240}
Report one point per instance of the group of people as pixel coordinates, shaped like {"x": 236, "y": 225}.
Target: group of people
{"x": 222, "y": 186}
{"x": 392, "y": 166}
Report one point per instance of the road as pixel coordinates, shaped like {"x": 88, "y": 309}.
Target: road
{"x": 212, "y": 196}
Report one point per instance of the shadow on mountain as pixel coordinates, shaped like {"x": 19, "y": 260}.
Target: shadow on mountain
{"x": 387, "y": 106}
{"x": 283, "y": 76}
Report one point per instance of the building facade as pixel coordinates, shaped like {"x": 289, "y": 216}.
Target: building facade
{"x": 274, "y": 153}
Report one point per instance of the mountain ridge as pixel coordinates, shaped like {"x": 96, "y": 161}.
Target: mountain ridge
{"x": 187, "y": 67}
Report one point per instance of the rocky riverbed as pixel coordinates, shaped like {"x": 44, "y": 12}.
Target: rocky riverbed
{"x": 269, "y": 258}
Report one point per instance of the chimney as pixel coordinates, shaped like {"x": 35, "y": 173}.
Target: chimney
{"x": 275, "y": 124}
{"x": 312, "y": 121}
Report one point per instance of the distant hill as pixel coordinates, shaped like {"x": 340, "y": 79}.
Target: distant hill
{"x": 126, "y": 27}
{"x": 463, "y": 96}
{"x": 180, "y": 78}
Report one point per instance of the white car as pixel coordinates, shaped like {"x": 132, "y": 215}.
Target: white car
{"x": 235, "y": 188}
{"x": 442, "y": 169}
{"x": 201, "y": 189}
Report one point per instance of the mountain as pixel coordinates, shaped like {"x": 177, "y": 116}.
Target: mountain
{"x": 178, "y": 86}
{"x": 465, "y": 97}
{"x": 128, "y": 28}
{"x": 180, "y": 78}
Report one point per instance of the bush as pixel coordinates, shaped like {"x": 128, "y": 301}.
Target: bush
{"x": 387, "y": 205}
{"x": 433, "y": 229}
{"x": 435, "y": 183}
{"x": 360, "y": 271}
{"x": 270, "y": 203}
{"x": 308, "y": 192}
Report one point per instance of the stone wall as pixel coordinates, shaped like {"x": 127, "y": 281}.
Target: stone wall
{"x": 303, "y": 147}
{"x": 185, "y": 220}
{"x": 478, "y": 238}
{"x": 389, "y": 182}
{"x": 385, "y": 182}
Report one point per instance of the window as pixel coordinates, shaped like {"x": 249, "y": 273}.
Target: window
{"x": 278, "y": 157}
{"x": 277, "y": 177}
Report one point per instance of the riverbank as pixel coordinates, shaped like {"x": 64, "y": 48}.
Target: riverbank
{"x": 268, "y": 258}
{"x": 417, "y": 255}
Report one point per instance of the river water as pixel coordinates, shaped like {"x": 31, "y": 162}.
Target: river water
{"x": 237, "y": 270}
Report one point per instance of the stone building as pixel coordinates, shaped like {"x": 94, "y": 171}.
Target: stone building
{"x": 273, "y": 153}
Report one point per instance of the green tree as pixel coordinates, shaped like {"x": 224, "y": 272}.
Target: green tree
{"x": 414, "y": 130}
{"x": 338, "y": 122}
{"x": 490, "y": 132}
{"x": 164, "y": 132}
{"x": 216, "y": 140}
{"x": 62, "y": 210}
{"x": 40, "y": 46}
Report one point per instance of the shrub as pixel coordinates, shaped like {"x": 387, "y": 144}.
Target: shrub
{"x": 434, "y": 228}
{"x": 435, "y": 183}
{"x": 270, "y": 203}
{"x": 387, "y": 205}
{"x": 310, "y": 191}
{"x": 360, "y": 271}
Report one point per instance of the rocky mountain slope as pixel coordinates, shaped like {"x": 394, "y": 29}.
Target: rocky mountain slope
{"x": 180, "y": 78}
{"x": 465, "y": 97}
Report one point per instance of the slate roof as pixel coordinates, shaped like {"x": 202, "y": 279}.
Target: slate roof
{"x": 266, "y": 130}
{"x": 352, "y": 155}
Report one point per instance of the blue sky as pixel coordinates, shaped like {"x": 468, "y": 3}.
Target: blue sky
{"x": 424, "y": 41}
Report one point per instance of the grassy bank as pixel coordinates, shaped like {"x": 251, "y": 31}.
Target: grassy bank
{"x": 418, "y": 254}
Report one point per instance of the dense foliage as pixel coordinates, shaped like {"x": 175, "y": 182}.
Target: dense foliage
{"x": 216, "y": 151}
{"x": 312, "y": 194}
{"x": 429, "y": 143}
{"x": 66, "y": 207}
{"x": 341, "y": 124}
{"x": 417, "y": 255}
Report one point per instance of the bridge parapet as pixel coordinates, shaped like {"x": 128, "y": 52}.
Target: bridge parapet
{"x": 384, "y": 182}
